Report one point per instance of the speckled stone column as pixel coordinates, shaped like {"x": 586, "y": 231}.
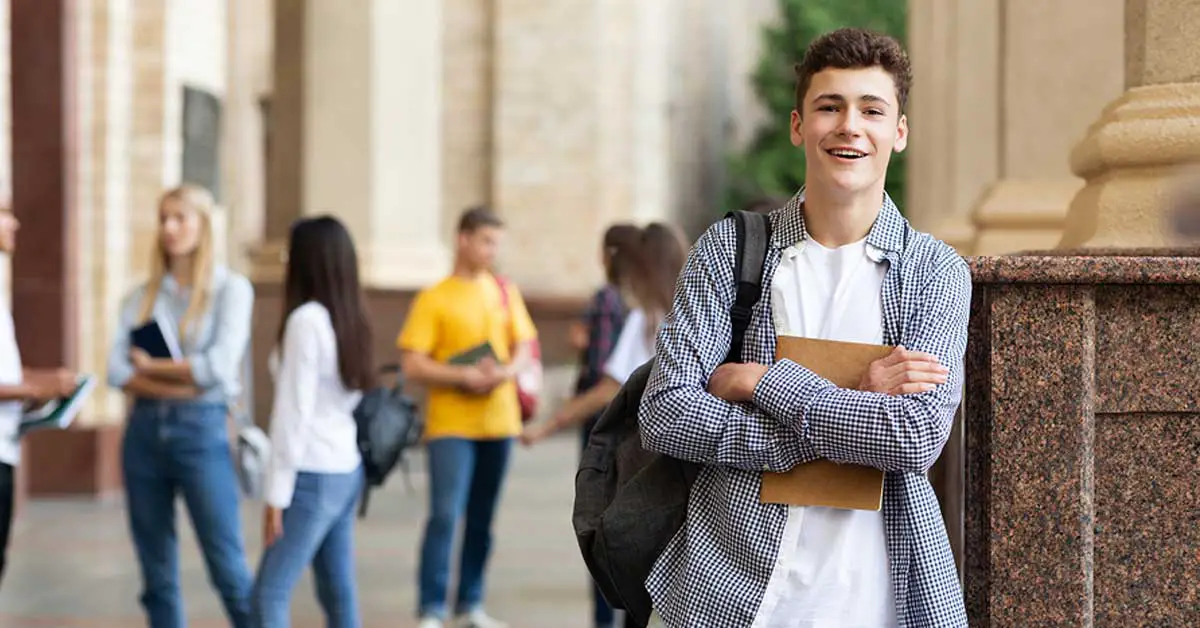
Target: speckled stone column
{"x": 1083, "y": 438}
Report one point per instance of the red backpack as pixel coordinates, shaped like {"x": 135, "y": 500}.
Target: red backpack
{"x": 529, "y": 381}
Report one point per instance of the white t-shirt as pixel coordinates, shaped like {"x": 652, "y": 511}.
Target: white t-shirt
{"x": 312, "y": 418}
{"x": 635, "y": 346}
{"x": 832, "y": 570}
{"x": 10, "y": 375}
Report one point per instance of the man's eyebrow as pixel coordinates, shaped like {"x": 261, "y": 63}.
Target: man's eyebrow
{"x": 835, "y": 97}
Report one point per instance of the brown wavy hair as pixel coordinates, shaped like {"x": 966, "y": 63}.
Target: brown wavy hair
{"x": 661, "y": 255}
{"x": 851, "y": 48}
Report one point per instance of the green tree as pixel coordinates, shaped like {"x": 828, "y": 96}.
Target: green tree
{"x": 770, "y": 165}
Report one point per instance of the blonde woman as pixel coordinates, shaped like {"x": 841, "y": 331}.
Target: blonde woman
{"x": 176, "y": 442}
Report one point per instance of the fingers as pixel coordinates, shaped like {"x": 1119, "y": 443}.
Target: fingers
{"x": 900, "y": 355}
{"x": 917, "y": 380}
{"x": 912, "y": 389}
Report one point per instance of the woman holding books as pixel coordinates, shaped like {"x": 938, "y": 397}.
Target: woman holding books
{"x": 322, "y": 363}
{"x": 191, "y": 321}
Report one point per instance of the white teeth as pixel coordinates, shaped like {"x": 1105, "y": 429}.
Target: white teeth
{"x": 849, "y": 154}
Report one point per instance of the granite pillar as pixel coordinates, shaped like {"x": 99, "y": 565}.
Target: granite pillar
{"x": 1083, "y": 434}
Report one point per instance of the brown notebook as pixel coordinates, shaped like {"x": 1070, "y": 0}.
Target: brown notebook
{"x": 821, "y": 482}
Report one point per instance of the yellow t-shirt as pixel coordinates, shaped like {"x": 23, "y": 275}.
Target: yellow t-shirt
{"x": 454, "y": 316}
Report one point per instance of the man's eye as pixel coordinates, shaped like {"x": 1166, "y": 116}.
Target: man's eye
{"x": 874, "y": 112}
{"x": 827, "y": 108}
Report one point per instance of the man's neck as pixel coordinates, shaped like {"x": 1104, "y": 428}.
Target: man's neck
{"x": 834, "y": 221}
{"x": 463, "y": 270}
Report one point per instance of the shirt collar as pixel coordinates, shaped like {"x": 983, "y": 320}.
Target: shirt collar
{"x": 886, "y": 235}
{"x": 170, "y": 286}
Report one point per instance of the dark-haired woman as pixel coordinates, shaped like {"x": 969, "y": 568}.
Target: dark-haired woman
{"x": 322, "y": 365}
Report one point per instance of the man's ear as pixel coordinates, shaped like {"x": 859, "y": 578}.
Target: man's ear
{"x": 797, "y": 127}
{"x": 901, "y": 134}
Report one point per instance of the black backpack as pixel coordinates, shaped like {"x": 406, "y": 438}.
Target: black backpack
{"x": 629, "y": 502}
{"x": 389, "y": 422}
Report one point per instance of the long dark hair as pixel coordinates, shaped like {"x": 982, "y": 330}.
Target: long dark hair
{"x": 322, "y": 266}
{"x": 661, "y": 256}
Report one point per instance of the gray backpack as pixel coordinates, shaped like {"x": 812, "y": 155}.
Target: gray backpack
{"x": 629, "y": 502}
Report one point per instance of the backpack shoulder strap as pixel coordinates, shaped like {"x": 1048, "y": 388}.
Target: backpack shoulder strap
{"x": 753, "y": 242}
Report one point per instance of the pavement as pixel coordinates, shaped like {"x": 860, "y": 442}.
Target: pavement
{"x": 71, "y": 563}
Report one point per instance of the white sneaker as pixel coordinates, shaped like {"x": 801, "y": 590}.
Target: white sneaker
{"x": 431, "y": 622}
{"x": 479, "y": 619}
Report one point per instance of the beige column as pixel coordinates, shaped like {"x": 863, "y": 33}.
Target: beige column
{"x": 954, "y": 114}
{"x": 243, "y": 154}
{"x": 1132, "y": 153}
{"x": 468, "y": 57}
{"x": 365, "y": 99}
{"x": 582, "y": 135}
{"x": 1059, "y": 65}
{"x": 105, "y": 94}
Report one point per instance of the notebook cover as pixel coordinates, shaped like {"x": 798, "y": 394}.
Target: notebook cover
{"x": 823, "y": 482}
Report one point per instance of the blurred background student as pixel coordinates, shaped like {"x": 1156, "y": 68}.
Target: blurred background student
{"x": 322, "y": 364}
{"x": 660, "y": 256}
{"x": 176, "y": 440}
{"x": 18, "y": 385}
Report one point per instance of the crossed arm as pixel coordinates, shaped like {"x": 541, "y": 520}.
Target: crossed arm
{"x": 218, "y": 364}
{"x": 759, "y": 417}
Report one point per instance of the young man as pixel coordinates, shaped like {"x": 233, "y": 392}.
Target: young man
{"x": 17, "y": 386}
{"x": 843, "y": 265}
{"x": 465, "y": 339}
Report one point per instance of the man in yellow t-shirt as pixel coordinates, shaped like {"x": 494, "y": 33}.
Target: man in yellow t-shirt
{"x": 465, "y": 339}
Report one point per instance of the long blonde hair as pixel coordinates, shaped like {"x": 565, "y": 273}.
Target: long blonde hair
{"x": 200, "y": 201}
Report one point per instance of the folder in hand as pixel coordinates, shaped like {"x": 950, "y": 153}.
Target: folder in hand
{"x": 473, "y": 355}
{"x": 157, "y": 339}
{"x": 823, "y": 482}
{"x": 59, "y": 413}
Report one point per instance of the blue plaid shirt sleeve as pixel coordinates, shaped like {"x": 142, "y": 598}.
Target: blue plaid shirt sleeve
{"x": 678, "y": 417}
{"x": 892, "y": 433}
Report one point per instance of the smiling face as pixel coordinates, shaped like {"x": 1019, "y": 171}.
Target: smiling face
{"x": 850, "y": 126}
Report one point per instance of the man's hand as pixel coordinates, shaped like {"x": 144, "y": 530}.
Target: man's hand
{"x": 904, "y": 372}
{"x": 736, "y": 382}
{"x": 533, "y": 434}
{"x": 482, "y": 377}
{"x": 272, "y": 525}
{"x": 45, "y": 385}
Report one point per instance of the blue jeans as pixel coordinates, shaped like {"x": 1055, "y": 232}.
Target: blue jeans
{"x": 175, "y": 448}
{"x": 465, "y": 477}
{"x": 318, "y": 528}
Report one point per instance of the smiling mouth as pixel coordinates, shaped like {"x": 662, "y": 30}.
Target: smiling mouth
{"x": 846, "y": 153}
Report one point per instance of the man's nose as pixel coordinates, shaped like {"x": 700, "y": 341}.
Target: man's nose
{"x": 850, "y": 123}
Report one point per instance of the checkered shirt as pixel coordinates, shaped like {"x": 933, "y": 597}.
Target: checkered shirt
{"x": 715, "y": 571}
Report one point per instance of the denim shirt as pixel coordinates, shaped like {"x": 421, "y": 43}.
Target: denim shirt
{"x": 216, "y": 342}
